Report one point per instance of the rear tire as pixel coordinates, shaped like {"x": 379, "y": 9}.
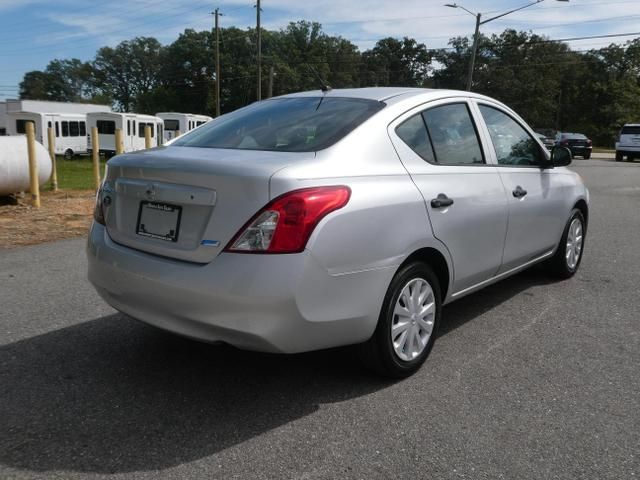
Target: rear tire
{"x": 407, "y": 324}
{"x": 565, "y": 262}
{"x": 587, "y": 156}
{"x": 618, "y": 156}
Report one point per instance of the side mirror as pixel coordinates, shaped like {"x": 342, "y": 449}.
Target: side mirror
{"x": 560, "y": 156}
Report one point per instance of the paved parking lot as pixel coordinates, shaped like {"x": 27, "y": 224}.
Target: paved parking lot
{"x": 528, "y": 379}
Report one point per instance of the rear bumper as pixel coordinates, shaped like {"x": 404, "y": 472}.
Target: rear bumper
{"x": 274, "y": 303}
{"x": 627, "y": 148}
{"x": 579, "y": 150}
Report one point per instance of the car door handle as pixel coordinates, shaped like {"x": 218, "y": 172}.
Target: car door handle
{"x": 441, "y": 201}
{"x": 519, "y": 192}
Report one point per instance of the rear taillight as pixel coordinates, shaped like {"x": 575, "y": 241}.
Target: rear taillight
{"x": 589, "y": 142}
{"x": 98, "y": 212}
{"x": 285, "y": 224}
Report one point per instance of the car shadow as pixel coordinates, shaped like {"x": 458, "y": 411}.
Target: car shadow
{"x": 471, "y": 306}
{"x": 113, "y": 395}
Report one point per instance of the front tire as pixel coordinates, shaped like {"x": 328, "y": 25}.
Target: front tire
{"x": 564, "y": 264}
{"x": 68, "y": 154}
{"x": 407, "y": 324}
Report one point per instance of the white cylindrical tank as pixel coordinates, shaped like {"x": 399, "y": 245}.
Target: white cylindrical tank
{"x": 14, "y": 164}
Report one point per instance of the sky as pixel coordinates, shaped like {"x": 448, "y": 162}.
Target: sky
{"x": 36, "y": 31}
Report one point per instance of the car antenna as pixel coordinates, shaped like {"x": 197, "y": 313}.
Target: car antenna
{"x": 324, "y": 85}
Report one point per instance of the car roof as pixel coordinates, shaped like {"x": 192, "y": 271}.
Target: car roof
{"x": 381, "y": 94}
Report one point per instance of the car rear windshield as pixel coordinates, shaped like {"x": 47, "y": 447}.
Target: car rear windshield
{"x": 300, "y": 124}
{"x": 635, "y": 130}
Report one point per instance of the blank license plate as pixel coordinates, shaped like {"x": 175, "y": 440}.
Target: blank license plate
{"x": 159, "y": 220}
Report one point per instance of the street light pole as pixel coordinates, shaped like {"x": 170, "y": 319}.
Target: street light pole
{"x": 472, "y": 63}
{"x": 476, "y": 36}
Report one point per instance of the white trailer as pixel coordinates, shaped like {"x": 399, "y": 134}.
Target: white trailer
{"x": 44, "y": 106}
{"x": 70, "y": 130}
{"x": 180, "y": 122}
{"x": 3, "y": 118}
{"x": 132, "y": 126}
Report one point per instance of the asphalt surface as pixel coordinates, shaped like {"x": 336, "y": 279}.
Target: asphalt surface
{"x": 529, "y": 379}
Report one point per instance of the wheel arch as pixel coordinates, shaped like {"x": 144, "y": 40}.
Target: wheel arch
{"x": 584, "y": 209}
{"x": 437, "y": 261}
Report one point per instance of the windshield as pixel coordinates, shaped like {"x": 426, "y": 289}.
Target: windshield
{"x": 299, "y": 124}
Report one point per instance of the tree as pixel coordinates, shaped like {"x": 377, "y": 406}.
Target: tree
{"x": 396, "y": 62}
{"x": 129, "y": 70}
{"x": 62, "y": 80}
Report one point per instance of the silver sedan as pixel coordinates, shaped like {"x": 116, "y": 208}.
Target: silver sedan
{"x": 322, "y": 219}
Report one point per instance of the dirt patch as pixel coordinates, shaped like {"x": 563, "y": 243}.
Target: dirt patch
{"x": 64, "y": 214}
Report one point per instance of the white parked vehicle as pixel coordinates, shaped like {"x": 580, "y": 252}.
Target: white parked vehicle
{"x": 178, "y": 123}
{"x": 44, "y": 106}
{"x": 628, "y": 144}
{"x": 132, "y": 126}
{"x": 70, "y": 130}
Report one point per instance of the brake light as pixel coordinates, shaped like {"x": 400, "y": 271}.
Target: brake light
{"x": 588, "y": 142}
{"x": 285, "y": 224}
{"x": 98, "y": 213}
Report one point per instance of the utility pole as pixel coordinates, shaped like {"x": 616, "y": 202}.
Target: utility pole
{"x": 475, "y": 50}
{"x": 217, "y": 14}
{"x": 270, "y": 90}
{"x": 259, "y": 89}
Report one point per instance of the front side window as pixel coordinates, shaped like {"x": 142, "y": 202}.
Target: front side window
{"x": 296, "y": 124}
{"x": 512, "y": 143}
{"x": 453, "y": 135}
{"x": 414, "y": 133}
{"x": 57, "y": 129}
{"x": 65, "y": 129}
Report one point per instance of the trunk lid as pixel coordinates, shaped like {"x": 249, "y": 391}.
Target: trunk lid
{"x": 187, "y": 203}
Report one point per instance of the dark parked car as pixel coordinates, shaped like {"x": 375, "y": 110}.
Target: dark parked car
{"x": 578, "y": 143}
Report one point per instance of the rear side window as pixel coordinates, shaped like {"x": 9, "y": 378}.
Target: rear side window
{"x": 414, "y": 133}
{"x": 512, "y": 143}
{"x": 300, "y": 124}
{"x": 83, "y": 129}
{"x": 141, "y": 129}
{"x": 65, "y": 129}
{"x": 453, "y": 135}
{"x": 74, "y": 129}
{"x": 21, "y": 125}
{"x": 106, "y": 127}
{"x": 635, "y": 130}
{"x": 171, "y": 125}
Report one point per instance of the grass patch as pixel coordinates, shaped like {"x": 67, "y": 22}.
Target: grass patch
{"x": 75, "y": 174}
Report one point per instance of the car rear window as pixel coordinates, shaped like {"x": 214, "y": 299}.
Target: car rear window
{"x": 300, "y": 124}
{"x": 635, "y": 130}
{"x": 574, "y": 136}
